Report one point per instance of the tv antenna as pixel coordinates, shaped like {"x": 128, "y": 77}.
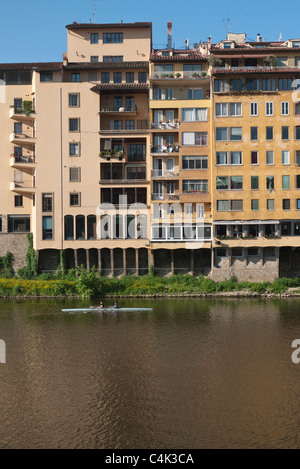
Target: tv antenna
{"x": 227, "y": 24}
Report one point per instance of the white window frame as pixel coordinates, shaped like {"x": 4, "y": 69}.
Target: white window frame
{"x": 269, "y": 108}
{"x": 285, "y": 108}
{"x": 255, "y": 105}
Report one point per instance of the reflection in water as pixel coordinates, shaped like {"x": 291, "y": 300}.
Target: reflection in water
{"x": 190, "y": 374}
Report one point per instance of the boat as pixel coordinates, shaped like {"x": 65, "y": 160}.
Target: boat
{"x": 96, "y": 309}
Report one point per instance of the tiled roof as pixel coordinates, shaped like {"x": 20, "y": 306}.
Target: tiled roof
{"x": 254, "y": 50}
{"x": 97, "y": 65}
{"x": 255, "y": 70}
{"x": 178, "y": 58}
{"x": 121, "y": 86}
{"x": 107, "y": 25}
{"x": 39, "y": 66}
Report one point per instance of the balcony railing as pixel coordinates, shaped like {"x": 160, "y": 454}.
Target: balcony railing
{"x": 165, "y": 149}
{"x": 119, "y": 109}
{"x": 156, "y": 173}
{"x": 23, "y": 159}
{"x": 178, "y": 75}
{"x": 165, "y": 196}
{"x": 111, "y": 154}
{"x": 164, "y": 125}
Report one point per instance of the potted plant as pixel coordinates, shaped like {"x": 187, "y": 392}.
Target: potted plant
{"x": 270, "y": 61}
{"x": 203, "y": 74}
{"x": 178, "y": 75}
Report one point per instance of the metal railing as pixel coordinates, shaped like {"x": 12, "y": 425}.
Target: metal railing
{"x": 164, "y": 125}
{"x": 155, "y": 173}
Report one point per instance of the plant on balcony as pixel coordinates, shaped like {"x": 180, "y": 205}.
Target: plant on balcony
{"x": 156, "y": 76}
{"x": 271, "y": 236}
{"x": 214, "y": 61}
{"x": 195, "y": 75}
{"x": 171, "y": 75}
{"x": 203, "y": 74}
{"x": 27, "y": 107}
{"x": 164, "y": 75}
{"x": 178, "y": 75}
{"x": 270, "y": 61}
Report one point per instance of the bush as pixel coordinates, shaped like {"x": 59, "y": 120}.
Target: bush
{"x": 87, "y": 283}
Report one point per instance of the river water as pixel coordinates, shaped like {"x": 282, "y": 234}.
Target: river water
{"x": 190, "y": 374}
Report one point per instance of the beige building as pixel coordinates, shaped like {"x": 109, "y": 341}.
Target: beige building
{"x": 121, "y": 156}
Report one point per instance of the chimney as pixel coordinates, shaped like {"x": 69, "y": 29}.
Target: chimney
{"x": 65, "y": 59}
{"x": 209, "y": 42}
{"x": 258, "y": 38}
{"x": 169, "y": 24}
{"x": 186, "y": 43}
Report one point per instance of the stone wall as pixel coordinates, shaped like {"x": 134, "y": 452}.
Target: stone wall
{"x": 17, "y": 244}
{"x": 248, "y": 269}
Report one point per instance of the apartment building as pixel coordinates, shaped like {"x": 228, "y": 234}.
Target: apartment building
{"x": 123, "y": 156}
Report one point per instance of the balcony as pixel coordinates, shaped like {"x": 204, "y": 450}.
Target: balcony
{"x": 140, "y": 127}
{"x": 22, "y": 114}
{"x": 112, "y": 154}
{"x": 164, "y": 125}
{"x": 26, "y": 187}
{"x": 179, "y": 76}
{"x": 164, "y": 150}
{"x": 165, "y": 196}
{"x": 118, "y": 110}
{"x": 115, "y": 182}
{"x": 27, "y": 162}
{"x": 159, "y": 173}
{"x": 197, "y": 196}
{"x": 179, "y": 233}
{"x": 21, "y": 139}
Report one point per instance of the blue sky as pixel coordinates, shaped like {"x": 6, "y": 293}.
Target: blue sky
{"x": 34, "y": 30}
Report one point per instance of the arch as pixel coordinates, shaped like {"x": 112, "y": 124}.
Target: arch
{"x": 143, "y": 261}
{"x": 93, "y": 258}
{"x": 69, "y": 227}
{"x": 105, "y": 261}
{"x": 91, "y": 227}
{"x": 69, "y": 259}
{"x": 81, "y": 258}
{"x": 162, "y": 261}
{"x": 80, "y": 227}
{"x": 130, "y": 261}
{"x": 48, "y": 260}
{"x": 118, "y": 262}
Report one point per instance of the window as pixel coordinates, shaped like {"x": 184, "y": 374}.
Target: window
{"x": 194, "y": 162}
{"x": 297, "y": 107}
{"x": 269, "y": 109}
{"x": 75, "y": 174}
{"x": 47, "y": 202}
{"x": 168, "y": 93}
{"x": 237, "y": 252}
{"x": 270, "y": 182}
{"x": 194, "y": 114}
{"x": 270, "y": 157}
{"x": 94, "y": 38}
{"x": 235, "y": 109}
{"x": 18, "y": 201}
{"x": 286, "y": 204}
{"x": 194, "y": 138}
{"x": 73, "y": 125}
{"x": 269, "y": 253}
{"x": 142, "y": 77}
{"x": 112, "y": 58}
{"x": 222, "y": 157}
{"x": 297, "y": 181}
{"x": 18, "y": 128}
{"x": 47, "y": 228}
{"x": 94, "y": 58}
{"x": 112, "y": 38}
{"x": 254, "y": 204}
{"x": 157, "y": 93}
{"x": 270, "y": 204}
{"x": 254, "y": 157}
{"x": 221, "y": 252}
{"x": 236, "y": 182}
{"x": 92, "y": 76}
{"x": 285, "y": 108}
{"x": 297, "y": 157}
{"x": 285, "y": 182}
{"x": 18, "y": 103}
{"x": 285, "y": 132}
{"x": 129, "y": 77}
{"x": 192, "y": 67}
{"x": 221, "y": 133}
{"x": 46, "y": 77}
{"x": 75, "y": 199}
{"x": 222, "y": 183}
{"x": 236, "y": 133}
{"x": 18, "y": 176}
{"x": 236, "y": 158}
{"x": 194, "y": 93}
{"x": 253, "y": 252}
{"x": 236, "y": 85}
{"x": 200, "y": 185}
{"x": 74, "y": 149}
{"x": 221, "y": 109}
{"x": 69, "y": 227}
{"x": 220, "y": 86}
{"x": 297, "y": 132}
{"x": 285, "y": 157}
{"x": 117, "y": 125}
{"x": 104, "y": 77}
{"x": 281, "y": 61}
{"x": 268, "y": 84}
{"x": 285, "y": 84}
{"x": 129, "y": 124}
{"x": 74, "y": 100}
{"x": 254, "y": 183}
{"x": 136, "y": 152}
{"x": 254, "y": 133}
{"x": 236, "y": 205}
{"x": 117, "y": 77}
{"x": 188, "y": 209}
{"x": 269, "y": 133}
{"x": 298, "y": 204}
{"x": 254, "y": 109}
{"x": 252, "y": 84}
{"x": 295, "y": 44}
{"x": 18, "y": 224}
{"x": 18, "y": 151}
{"x": 75, "y": 76}
{"x": 222, "y": 205}
{"x": 129, "y": 103}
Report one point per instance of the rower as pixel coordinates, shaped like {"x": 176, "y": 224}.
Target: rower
{"x": 101, "y": 306}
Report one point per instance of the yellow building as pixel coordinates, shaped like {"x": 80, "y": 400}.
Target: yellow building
{"x": 121, "y": 156}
